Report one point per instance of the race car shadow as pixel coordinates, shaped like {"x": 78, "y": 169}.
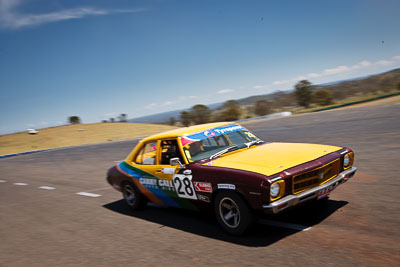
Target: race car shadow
{"x": 266, "y": 231}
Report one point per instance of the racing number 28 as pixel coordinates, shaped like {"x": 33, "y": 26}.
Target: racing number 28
{"x": 184, "y": 186}
{"x": 186, "y": 182}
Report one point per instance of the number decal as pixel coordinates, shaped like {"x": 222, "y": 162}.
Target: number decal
{"x": 184, "y": 186}
{"x": 188, "y": 186}
{"x": 249, "y": 134}
{"x": 178, "y": 181}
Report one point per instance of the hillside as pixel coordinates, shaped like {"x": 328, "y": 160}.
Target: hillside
{"x": 379, "y": 83}
{"x": 164, "y": 116}
{"x": 384, "y": 82}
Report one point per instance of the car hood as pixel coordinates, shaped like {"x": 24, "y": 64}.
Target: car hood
{"x": 272, "y": 158}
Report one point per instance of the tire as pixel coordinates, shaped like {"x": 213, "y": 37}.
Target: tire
{"x": 133, "y": 198}
{"x": 232, "y": 212}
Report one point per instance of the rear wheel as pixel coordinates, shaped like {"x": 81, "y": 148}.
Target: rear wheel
{"x": 232, "y": 212}
{"x": 133, "y": 198}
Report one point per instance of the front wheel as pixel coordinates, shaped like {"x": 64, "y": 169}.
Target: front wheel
{"x": 133, "y": 198}
{"x": 232, "y": 212}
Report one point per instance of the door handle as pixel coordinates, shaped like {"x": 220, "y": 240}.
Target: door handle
{"x": 159, "y": 170}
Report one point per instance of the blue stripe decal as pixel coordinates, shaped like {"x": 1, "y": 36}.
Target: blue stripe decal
{"x": 154, "y": 189}
{"x": 129, "y": 171}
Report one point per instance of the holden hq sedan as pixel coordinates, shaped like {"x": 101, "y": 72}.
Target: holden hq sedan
{"x": 225, "y": 167}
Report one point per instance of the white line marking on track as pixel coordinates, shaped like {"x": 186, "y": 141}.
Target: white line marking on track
{"x": 20, "y": 184}
{"x": 98, "y": 189}
{"x": 86, "y": 194}
{"x": 3, "y": 181}
{"x": 117, "y": 161}
{"x": 285, "y": 225}
{"x": 46, "y": 187}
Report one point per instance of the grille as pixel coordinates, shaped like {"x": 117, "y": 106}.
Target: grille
{"x": 315, "y": 177}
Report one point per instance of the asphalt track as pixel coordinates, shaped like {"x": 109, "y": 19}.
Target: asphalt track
{"x": 44, "y": 222}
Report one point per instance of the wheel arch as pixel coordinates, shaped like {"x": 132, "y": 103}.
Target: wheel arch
{"x": 239, "y": 193}
{"x": 132, "y": 182}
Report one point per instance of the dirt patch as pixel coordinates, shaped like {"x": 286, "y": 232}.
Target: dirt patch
{"x": 74, "y": 135}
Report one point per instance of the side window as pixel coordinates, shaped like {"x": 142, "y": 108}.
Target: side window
{"x": 147, "y": 155}
{"x": 169, "y": 150}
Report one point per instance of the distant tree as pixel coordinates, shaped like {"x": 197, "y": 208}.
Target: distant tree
{"x": 172, "y": 121}
{"x": 282, "y": 99}
{"x": 74, "y": 120}
{"x": 104, "y": 121}
{"x": 262, "y": 107}
{"x": 112, "y": 120}
{"x": 398, "y": 86}
{"x": 303, "y": 93}
{"x": 231, "y": 103}
{"x": 231, "y": 111}
{"x": 322, "y": 97}
{"x": 200, "y": 114}
{"x": 186, "y": 118}
{"x": 122, "y": 117}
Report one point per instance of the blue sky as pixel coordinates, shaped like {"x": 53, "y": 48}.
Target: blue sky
{"x": 100, "y": 58}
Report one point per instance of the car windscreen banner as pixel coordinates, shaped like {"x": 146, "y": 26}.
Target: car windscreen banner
{"x": 195, "y": 137}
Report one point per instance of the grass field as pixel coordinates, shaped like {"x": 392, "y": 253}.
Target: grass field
{"x": 74, "y": 135}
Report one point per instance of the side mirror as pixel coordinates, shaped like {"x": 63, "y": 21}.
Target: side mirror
{"x": 175, "y": 161}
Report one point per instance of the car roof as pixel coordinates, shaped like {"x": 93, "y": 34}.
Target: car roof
{"x": 186, "y": 130}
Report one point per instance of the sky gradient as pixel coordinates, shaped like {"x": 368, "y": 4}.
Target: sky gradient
{"x": 98, "y": 59}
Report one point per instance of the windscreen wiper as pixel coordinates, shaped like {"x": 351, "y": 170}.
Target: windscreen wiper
{"x": 249, "y": 144}
{"x": 223, "y": 151}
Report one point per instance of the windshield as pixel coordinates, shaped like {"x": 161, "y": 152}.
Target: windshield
{"x": 217, "y": 141}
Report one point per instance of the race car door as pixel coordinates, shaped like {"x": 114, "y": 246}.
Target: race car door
{"x": 181, "y": 183}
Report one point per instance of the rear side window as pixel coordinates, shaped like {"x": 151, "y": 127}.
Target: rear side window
{"x": 147, "y": 155}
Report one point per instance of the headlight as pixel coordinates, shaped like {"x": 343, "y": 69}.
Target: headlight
{"x": 275, "y": 190}
{"x": 346, "y": 161}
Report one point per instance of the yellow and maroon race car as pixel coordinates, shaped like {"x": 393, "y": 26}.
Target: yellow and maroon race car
{"x": 226, "y": 167}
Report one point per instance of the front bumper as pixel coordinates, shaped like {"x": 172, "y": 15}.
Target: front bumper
{"x": 293, "y": 200}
